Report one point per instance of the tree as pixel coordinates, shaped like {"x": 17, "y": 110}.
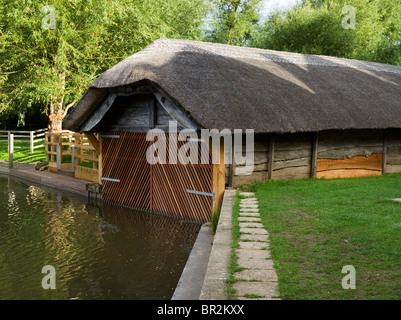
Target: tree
{"x": 50, "y": 52}
{"x": 234, "y": 21}
{"x": 324, "y": 27}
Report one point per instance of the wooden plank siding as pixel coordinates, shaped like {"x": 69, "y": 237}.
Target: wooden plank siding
{"x": 359, "y": 166}
{"x": 393, "y": 157}
{"x": 292, "y": 156}
{"x": 329, "y": 154}
{"x": 124, "y": 159}
{"x": 161, "y": 188}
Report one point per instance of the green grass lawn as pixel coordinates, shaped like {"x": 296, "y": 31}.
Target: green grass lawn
{"x": 22, "y": 155}
{"x": 39, "y": 155}
{"x": 318, "y": 226}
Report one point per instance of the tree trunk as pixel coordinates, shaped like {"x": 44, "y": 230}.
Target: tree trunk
{"x": 55, "y": 115}
{"x": 57, "y": 111}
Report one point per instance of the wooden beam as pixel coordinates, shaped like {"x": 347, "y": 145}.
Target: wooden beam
{"x": 174, "y": 112}
{"x": 385, "y": 145}
{"x": 314, "y": 155}
{"x": 98, "y": 114}
{"x": 100, "y": 161}
{"x": 270, "y": 157}
{"x": 152, "y": 114}
{"x": 93, "y": 141}
{"x": 231, "y": 167}
{"x": 219, "y": 172}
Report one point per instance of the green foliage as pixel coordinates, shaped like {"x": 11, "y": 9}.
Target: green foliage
{"x": 214, "y": 220}
{"x": 22, "y": 155}
{"x": 53, "y": 67}
{"x": 233, "y": 21}
{"x": 315, "y": 27}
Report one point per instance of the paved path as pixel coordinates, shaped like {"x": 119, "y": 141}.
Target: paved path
{"x": 54, "y": 180}
{"x": 258, "y": 280}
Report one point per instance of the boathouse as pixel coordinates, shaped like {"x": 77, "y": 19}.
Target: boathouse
{"x": 312, "y": 116}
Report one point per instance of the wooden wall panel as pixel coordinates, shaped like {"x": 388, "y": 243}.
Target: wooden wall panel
{"x": 261, "y": 151}
{"x": 170, "y": 183}
{"x": 359, "y": 166}
{"x": 160, "y": 188}
{"x": 393, "y": 159}
{"x": 292, "y": 156}
{"x": 350, "y": 143}
{"x": 124, "y": 159}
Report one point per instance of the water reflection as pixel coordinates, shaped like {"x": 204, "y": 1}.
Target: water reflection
{"x": 105, "y": 252}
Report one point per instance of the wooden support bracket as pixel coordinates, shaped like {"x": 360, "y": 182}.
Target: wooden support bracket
{"x": 93, "y": 141}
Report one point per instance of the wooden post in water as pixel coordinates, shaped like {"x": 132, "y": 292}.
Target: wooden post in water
{"x": 10, "y": 150}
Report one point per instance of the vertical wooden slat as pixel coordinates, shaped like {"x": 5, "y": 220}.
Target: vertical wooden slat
{"x": 231, "y": 166}
{"x": 159, "y": 187}
{"x": 219, "y": 177}
{"x": 385, "y": 145}
{"x": 271, "y": 158}
{"x": 314, "y": 155}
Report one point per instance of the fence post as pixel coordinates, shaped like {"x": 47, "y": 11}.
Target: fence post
{"x": 58, "y": 155}
{"x": 73, "y": 158}
{"x": 31, "y": 141}
{"x": 10, "y": 150}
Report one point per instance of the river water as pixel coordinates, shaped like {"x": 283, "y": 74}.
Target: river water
{"x": 98, "y": 252}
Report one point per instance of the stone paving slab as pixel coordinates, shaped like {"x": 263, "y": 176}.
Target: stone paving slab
{"x": 249, "y": 214}
{"x": 254, "y": 237}
{"x": 247, "y": 194}
{"x": 253, "y": 245}
{"x": 263, "y": 289}
{"x": 249, "y": 210}
{"x": 252, "y": 230}
{"x": 252, "y": 253}
{"x": 248, "y": 205}
{"x": 250, "y": 224}
{"x": 257, "y": 274}
{"x": 249, "y": 219}
{"x": 256, "y": 263}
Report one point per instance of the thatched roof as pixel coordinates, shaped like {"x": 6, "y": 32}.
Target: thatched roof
{"x": 221, "y": 86}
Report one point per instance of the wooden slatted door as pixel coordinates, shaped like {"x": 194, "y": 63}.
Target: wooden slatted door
{"x": 182, "y": 190}
{"x": 125, "y": 171}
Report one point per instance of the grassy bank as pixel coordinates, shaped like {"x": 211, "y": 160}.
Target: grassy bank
{"x": 22, "y": 155}
{"x": 318, "y": 226}
{"x": 233, "y": 265}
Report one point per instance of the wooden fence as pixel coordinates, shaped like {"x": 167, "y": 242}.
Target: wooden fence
{"x": 16, "y": 139}
{"x": 72, "y": 152}
{"x": 24, "y": 139}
